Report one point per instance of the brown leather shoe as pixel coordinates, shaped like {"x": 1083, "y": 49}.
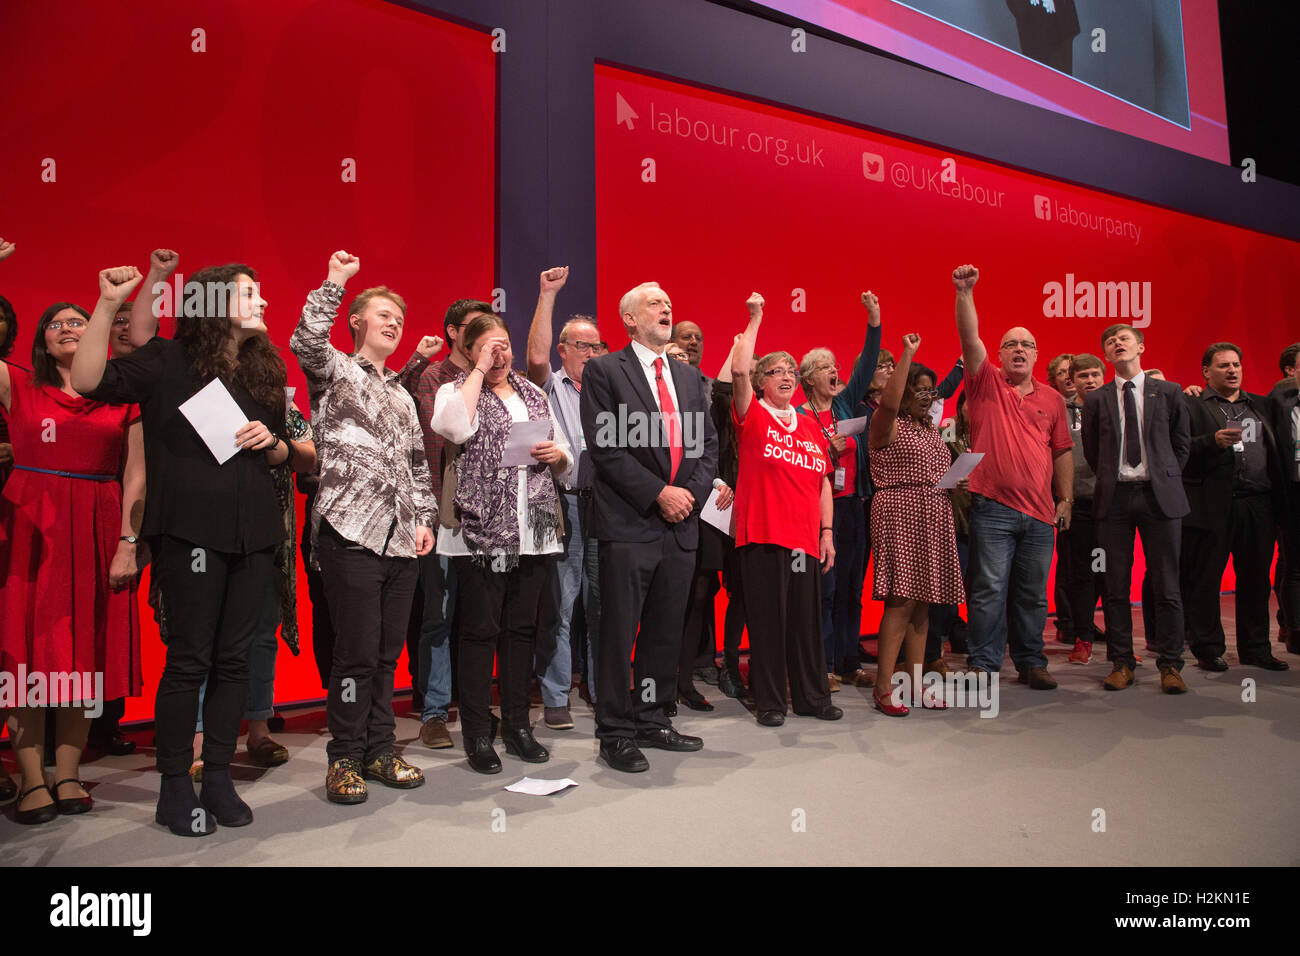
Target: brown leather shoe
{"x": 1171, "y": 682}
{"x": 1120, "y": 677}
{"x": 833, "y": 683}
{"x": 434, "y": 734}
{"x": 937, "y": 666}
{"x": 1038, "y": 679}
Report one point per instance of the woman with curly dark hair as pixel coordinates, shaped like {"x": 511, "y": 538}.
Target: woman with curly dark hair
{"x": 213, "y": 526}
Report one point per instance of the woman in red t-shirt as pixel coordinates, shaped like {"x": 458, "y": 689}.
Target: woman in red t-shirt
{"x": 783, "y": 514}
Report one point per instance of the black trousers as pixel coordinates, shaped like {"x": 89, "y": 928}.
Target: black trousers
{"x": 783, "y": 610}
{"x": 1083, "y": 586}
{"x": 1249, "y": 539}
{"x": 322, "y": 629}
{"x": 370, "y": 605}
{"x": 498, "y": 622}
{"x": 733, "y": 628}
{"x": 1134, "y": 509}
{"x": 643, "y": 592}
{"x": 1064, "y": 570}
{"x": 213, "y": 603}
{"x": 1288, "y": 560}
{"x": 699, "y": 635}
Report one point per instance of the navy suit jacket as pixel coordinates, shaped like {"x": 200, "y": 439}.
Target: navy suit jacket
{"x": 632, "y": 467}
{"x": 1165, "y": 432}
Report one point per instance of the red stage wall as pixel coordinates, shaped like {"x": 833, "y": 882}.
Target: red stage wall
{"x": 236, "y": 154}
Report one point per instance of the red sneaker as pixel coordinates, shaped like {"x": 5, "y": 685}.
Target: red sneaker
{"x": 1082, "y": 652}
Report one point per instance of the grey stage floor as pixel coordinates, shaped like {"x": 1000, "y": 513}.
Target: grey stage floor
{"x": 1205, "y": 778}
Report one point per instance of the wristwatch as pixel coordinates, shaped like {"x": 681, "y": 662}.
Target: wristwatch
{"x": 129, "y": 538}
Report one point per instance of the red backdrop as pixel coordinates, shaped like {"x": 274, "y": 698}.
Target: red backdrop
{"x": 236, "y": 154}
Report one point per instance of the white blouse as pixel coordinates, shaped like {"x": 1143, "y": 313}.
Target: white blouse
{"x": 451, "y": 420}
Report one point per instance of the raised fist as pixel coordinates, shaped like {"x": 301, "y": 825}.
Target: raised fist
{"x": 343, "y": 267}
{"x": 911, "y": 342}
{"x": 6, "y": 249}
{"x": 429, "y": 345}
{"x": 163, "y": 262}
{"x": 116, "y": 284}
{"x": 553, "y": 279}
{"x": 965, "y": 277}
{"x": 755, "y": 305}
{"x": 873, "y": 306}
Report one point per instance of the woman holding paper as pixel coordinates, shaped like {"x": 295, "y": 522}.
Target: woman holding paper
{"x": 911, "y": 524}
{"x": 504, "y": 522}
{"x": 211, "y": 516}
{"x": 783, "y": 532}
{"x": 67, "y": 552}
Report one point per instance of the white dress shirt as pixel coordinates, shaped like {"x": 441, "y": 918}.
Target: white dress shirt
{"x": 1128, "y": 472}
{"x": 647, "y": 360}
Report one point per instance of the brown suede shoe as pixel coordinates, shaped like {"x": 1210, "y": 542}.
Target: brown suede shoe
{"x": 1171, "y": 682}
{"x": 1038, "y": 679}
{"x": 434, "y": 734}
{"x": 937, "y": 666}
{"x": 1120, "y": 677}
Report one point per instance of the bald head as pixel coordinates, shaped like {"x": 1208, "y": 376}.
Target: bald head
{"x": 690, "y": 339}
{"x": 1017, "y": 354}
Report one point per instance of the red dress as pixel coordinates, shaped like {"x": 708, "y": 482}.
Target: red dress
{"x": 58, "y": 536}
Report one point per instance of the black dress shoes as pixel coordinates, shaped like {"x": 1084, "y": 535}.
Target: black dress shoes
{"x": 481, "y": 755}
{"x": 522, "y": 744}
{"x": 41, "y": 814}
{"x": 72, "y": 805}
{"x": 771, "y": 718}
{"x": 695, "y": 702}
{"x": 1269, "y": 663}
{"x": 829, "y": 712}
{"x": 622, "y": 754}
{"x": 665, "y": 738}
{"x": 1212, "y": 664}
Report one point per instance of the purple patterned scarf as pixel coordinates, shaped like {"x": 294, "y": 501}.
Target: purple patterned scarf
{"x": 487, "y": 495}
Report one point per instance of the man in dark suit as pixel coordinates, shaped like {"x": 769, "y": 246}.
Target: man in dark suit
{"x": 1284, "y": 411}
{"x": 1233, "y": 480}
{"x": 1136, "y": 440}
{"x": 654, "y": 449}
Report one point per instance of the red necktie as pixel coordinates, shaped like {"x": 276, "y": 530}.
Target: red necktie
{"x": 669, "y": 413}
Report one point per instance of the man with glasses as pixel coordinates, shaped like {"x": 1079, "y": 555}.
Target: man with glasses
{"x": 1020, "y": 425}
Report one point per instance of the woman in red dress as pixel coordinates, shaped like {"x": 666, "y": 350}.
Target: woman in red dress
{"x": 912, "y": 534}
{"x": 65, "y": 617}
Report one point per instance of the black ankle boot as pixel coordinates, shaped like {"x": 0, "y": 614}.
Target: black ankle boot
{"x": 522, "y": 744}
{"x": 219, "y": 796}
{"x": 481, "y": 755}
{"x": 179, "y": 809}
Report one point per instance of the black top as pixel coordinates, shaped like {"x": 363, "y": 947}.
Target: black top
{"x": 230, "y": 508}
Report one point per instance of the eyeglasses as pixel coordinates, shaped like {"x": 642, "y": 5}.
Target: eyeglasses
{"x": 58, "y": 325}
{"x": 583, "y": 346}
{"x": 1012, "y": 343}
{"x": 925, "y": 392}
{"x": 782, "y": 372}
{"x": 827, "y": 368}
{"x": 121, "y": 320}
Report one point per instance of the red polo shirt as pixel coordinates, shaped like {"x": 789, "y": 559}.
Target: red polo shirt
{"x": 1019, "y": 435}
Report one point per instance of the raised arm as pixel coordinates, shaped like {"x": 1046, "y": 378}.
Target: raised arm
{"x": 973, "y": 352}
{"x": 742, "y": 358}
{"x": 143, "y": 324}
{"x": 311, "y": 339}
{"x": 952, "y": 381}
{"x": 409, "y": 376}
{"x": 92, "y": 351}
{"x": 540, "y": 333}
{"x": 856, "y": 389}
{"x": 884, "y": 422}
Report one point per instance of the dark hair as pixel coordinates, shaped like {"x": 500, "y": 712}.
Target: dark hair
{"x": 1084, "y": 360}
{"x": 1218, "y": 347}
{"x": 480, "y": 325}
{"x": 1116, "y": 329}
{"x": 45, "y": 371}
{"x": 457, "y": 311}
{"x": 10, "y": 319}
{"x": 1288, "y": 355}
{"x": 258, "y": 366}
{"x": 917, "y": 371}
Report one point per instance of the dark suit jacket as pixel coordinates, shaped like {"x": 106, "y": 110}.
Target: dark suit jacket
{"x": 1164, "y": 432}
{"x": 1281, "y": 400}
{"x": 1208, "y": 476}
{"x": 630, "y": 473}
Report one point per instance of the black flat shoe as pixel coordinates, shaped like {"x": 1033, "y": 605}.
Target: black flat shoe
{"x": 1216, "y": 664}
{"x": 8, "y": 789}
{"x": 771, "y": 718}
{"x": 622, "y": 754}
{"x": 41, "y": 814}
{"x": 696, "y": 702}
{"x": 670, "y": 709}
{"x": 665, "y": 738}
{"x": 1268, "y": 663}
{"x": 71, "y": 805}
{"x": 522, "y": 744}
{"x": 829, "y": 712}
{"x": 179, "y": 809}
{"x": 482, "y": 758}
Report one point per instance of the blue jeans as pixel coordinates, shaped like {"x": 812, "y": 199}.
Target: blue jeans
{"x": 842, "y": 588}
{"x": 438, "y": 585}
{"x": 1010, "y": 555}
{"x": 260, "y": 704}
{"x": 555, "y": 666}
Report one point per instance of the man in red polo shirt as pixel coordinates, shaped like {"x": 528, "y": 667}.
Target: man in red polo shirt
{"x": 1022, "y": 488}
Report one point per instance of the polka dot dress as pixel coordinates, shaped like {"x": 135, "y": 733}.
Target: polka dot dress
{"x": 913, "y": 544}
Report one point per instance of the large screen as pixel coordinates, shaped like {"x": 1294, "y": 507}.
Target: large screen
{"x": 1149, "y": 68}
{"x": 715, "y": 196}
{"x": 274, "y": 135}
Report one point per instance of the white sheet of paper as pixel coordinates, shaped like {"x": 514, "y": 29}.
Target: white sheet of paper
{"x": 541, "y": 788}
{"x": 216, "y": 418}
{"x": 724, "y": 521}
{"x": 288, "y": 398}
{"x": 851, "y": 426}
{"x": 523, "y": 436}
{"x": 936, "y": 412}
{"x": 961, "y": 468}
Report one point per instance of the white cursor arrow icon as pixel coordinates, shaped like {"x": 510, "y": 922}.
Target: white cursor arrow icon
{"x": 623, "y": 112}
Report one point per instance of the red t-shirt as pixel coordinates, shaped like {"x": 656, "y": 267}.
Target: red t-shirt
{"x": 779, "y": 486}
{"x": 848, "y": 460}
{"x": 1019, "y": 435}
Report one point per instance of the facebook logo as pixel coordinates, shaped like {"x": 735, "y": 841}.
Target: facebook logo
{"x": 1042, "y": 207}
